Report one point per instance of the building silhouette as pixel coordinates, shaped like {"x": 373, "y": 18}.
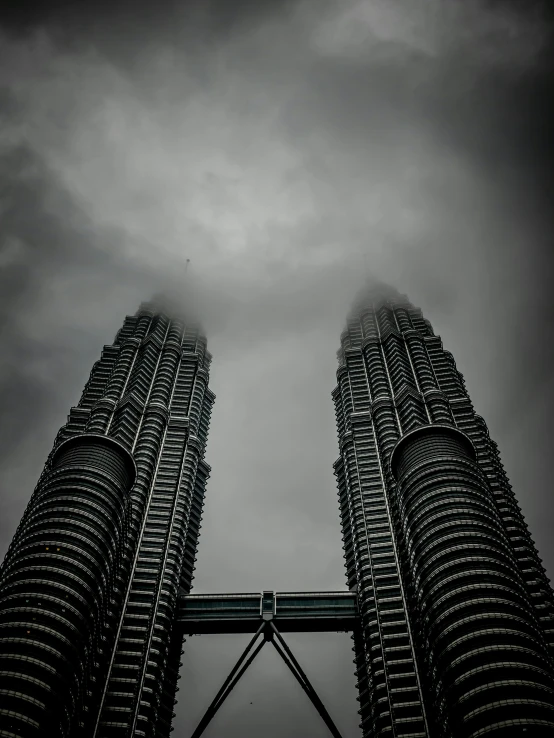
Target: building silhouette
{"x": 456, "y": 632}
{"x": 89, "y": 586}
{"x": 449, "y": 608}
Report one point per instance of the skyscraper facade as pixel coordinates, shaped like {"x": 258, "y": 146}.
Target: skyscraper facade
{"x": 89, "y": 586}
{"x": 456, "y": 638}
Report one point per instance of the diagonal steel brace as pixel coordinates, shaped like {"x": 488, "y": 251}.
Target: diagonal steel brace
{"x": 289, "y": 659}
{"x": 268, "y": 630}
{"x": 230, "y": 682}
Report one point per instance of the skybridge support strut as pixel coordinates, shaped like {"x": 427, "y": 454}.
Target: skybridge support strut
{"x": 231, "y": 681}
{"x": 289, "y": 659}
{"x": 269, "y": 632}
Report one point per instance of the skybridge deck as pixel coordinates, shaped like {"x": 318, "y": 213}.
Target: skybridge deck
{"x": 291, "y": 612}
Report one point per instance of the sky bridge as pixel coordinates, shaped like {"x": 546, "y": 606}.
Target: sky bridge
{"x": 291, "y": 612}
{"x": 267, "y": 615}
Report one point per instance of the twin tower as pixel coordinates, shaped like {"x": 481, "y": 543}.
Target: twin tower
{"x": 450, "y": 610}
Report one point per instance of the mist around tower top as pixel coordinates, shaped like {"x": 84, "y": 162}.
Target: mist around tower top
{"x": 293, "y": 151}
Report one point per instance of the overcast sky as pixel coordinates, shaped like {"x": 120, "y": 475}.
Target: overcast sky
{"x": 290, "y": 150}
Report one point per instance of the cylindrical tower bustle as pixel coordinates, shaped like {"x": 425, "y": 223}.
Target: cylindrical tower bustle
{"x": 56, "y": 588}
{"x": 487, "y": 657}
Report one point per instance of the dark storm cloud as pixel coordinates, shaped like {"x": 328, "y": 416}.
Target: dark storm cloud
{"x": 34, "y": 243}
{"x": 53, "y": 269}
{"x": 276, "y": 145}
{"x": 80, "y": 15}
{"x": 123, "y": 30}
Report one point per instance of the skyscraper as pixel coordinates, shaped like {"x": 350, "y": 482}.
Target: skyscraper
{"x": 456, "y": 638}
{"x": 89, "y": 586}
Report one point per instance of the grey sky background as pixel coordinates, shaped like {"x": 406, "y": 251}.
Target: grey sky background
{"x": 291, "y": 150}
